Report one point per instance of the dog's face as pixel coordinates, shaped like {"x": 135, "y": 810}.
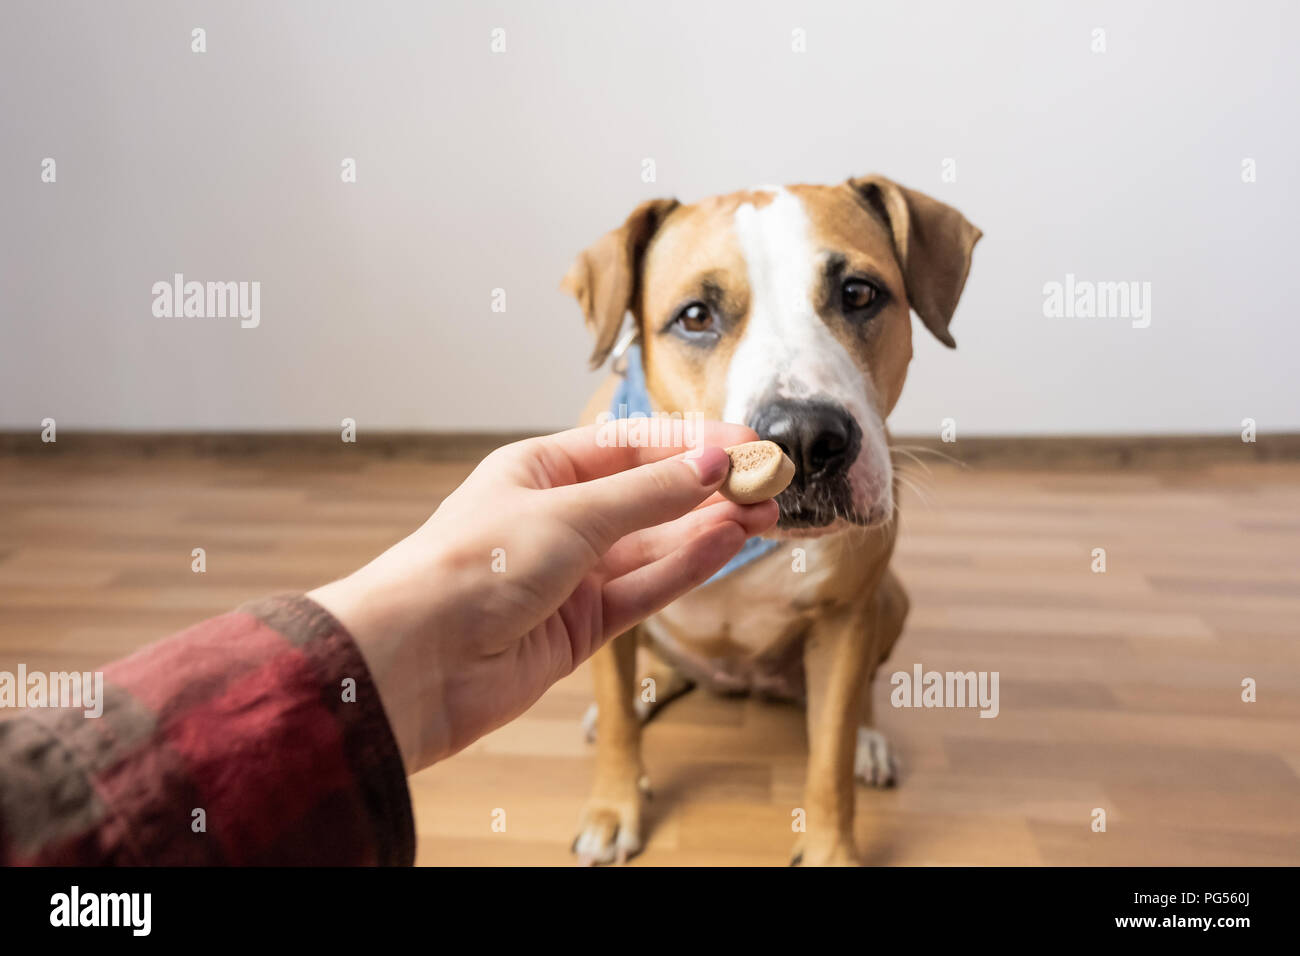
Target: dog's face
{"x": 786, "y": 309}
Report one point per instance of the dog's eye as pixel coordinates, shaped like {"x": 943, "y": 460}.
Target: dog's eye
{"x": 695, "y": 318}
{"x": 858, "y": 294}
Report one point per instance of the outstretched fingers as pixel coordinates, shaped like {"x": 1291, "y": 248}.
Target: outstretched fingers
{"x": 638, "y": 594}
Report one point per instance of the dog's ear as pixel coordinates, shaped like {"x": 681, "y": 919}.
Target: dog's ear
{"x": 933, "y": 243}
{"x": 606, "y": 278}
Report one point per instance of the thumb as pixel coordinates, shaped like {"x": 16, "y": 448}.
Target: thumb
{"x": 606, "y": 509}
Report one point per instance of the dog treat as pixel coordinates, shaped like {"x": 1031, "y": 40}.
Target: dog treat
{"x": 759, "y": 470}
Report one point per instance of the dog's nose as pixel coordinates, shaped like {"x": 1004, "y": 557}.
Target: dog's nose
{"x": 817, "y": 436}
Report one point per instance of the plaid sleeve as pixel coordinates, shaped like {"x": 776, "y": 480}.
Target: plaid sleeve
{"x": 252, "y": 738}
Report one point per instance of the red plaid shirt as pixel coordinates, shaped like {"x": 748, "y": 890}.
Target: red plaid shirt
{"x": 244, "y": 717}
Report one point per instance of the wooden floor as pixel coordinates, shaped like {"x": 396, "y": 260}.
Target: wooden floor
{"x": 1119, "y": 691}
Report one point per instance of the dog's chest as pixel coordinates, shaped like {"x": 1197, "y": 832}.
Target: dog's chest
{"x": 745, "y": 632}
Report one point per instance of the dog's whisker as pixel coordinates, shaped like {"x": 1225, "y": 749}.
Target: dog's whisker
{"x": 911, "y": 455}
{"x": 930, "y": 451}
{"x": 916, "y": 490}
{"x": 916, "y": 480}
{"x": 918, "y": 487}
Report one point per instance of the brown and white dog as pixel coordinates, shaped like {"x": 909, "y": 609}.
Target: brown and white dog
{"x": 787, "y": 309}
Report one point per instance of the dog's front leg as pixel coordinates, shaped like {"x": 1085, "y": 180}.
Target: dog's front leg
{"x": 610, "y": 830}
{"x": 835, "y": 662}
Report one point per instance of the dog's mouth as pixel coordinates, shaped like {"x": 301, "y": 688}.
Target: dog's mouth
{"x": 800, "y": 517}
{"x": 814, "y": 512}
{"x": 835, "y": 484}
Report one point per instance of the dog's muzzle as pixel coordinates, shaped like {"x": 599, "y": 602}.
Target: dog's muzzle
{"x": 823, "y": 441}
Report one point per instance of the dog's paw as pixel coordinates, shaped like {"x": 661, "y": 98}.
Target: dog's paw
{"x": 874, "y": 762}
{"x": 608, "y": 833}
{"x": 825, "y": 852}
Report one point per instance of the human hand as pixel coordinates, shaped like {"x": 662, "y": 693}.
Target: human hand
{"x": 551, "y": 547}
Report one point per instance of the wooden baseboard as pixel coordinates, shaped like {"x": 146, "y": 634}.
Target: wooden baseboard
{"x": 1154, "y": 451}
{"x": 428, "y": 446}
{"x": 1107, "y": 451}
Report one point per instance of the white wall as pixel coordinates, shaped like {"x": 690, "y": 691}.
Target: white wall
{"x": 479, "y": 171}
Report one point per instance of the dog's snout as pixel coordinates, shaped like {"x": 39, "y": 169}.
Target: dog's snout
{"x": 820, "y": 438}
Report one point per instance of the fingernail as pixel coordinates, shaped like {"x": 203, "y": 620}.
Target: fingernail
{"x": 711, "y": 464}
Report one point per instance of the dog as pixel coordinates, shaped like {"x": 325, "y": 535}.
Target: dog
{"x": 787, "y": 309}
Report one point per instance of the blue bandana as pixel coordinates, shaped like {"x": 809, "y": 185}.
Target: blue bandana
{"x": 631, "y": 399}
